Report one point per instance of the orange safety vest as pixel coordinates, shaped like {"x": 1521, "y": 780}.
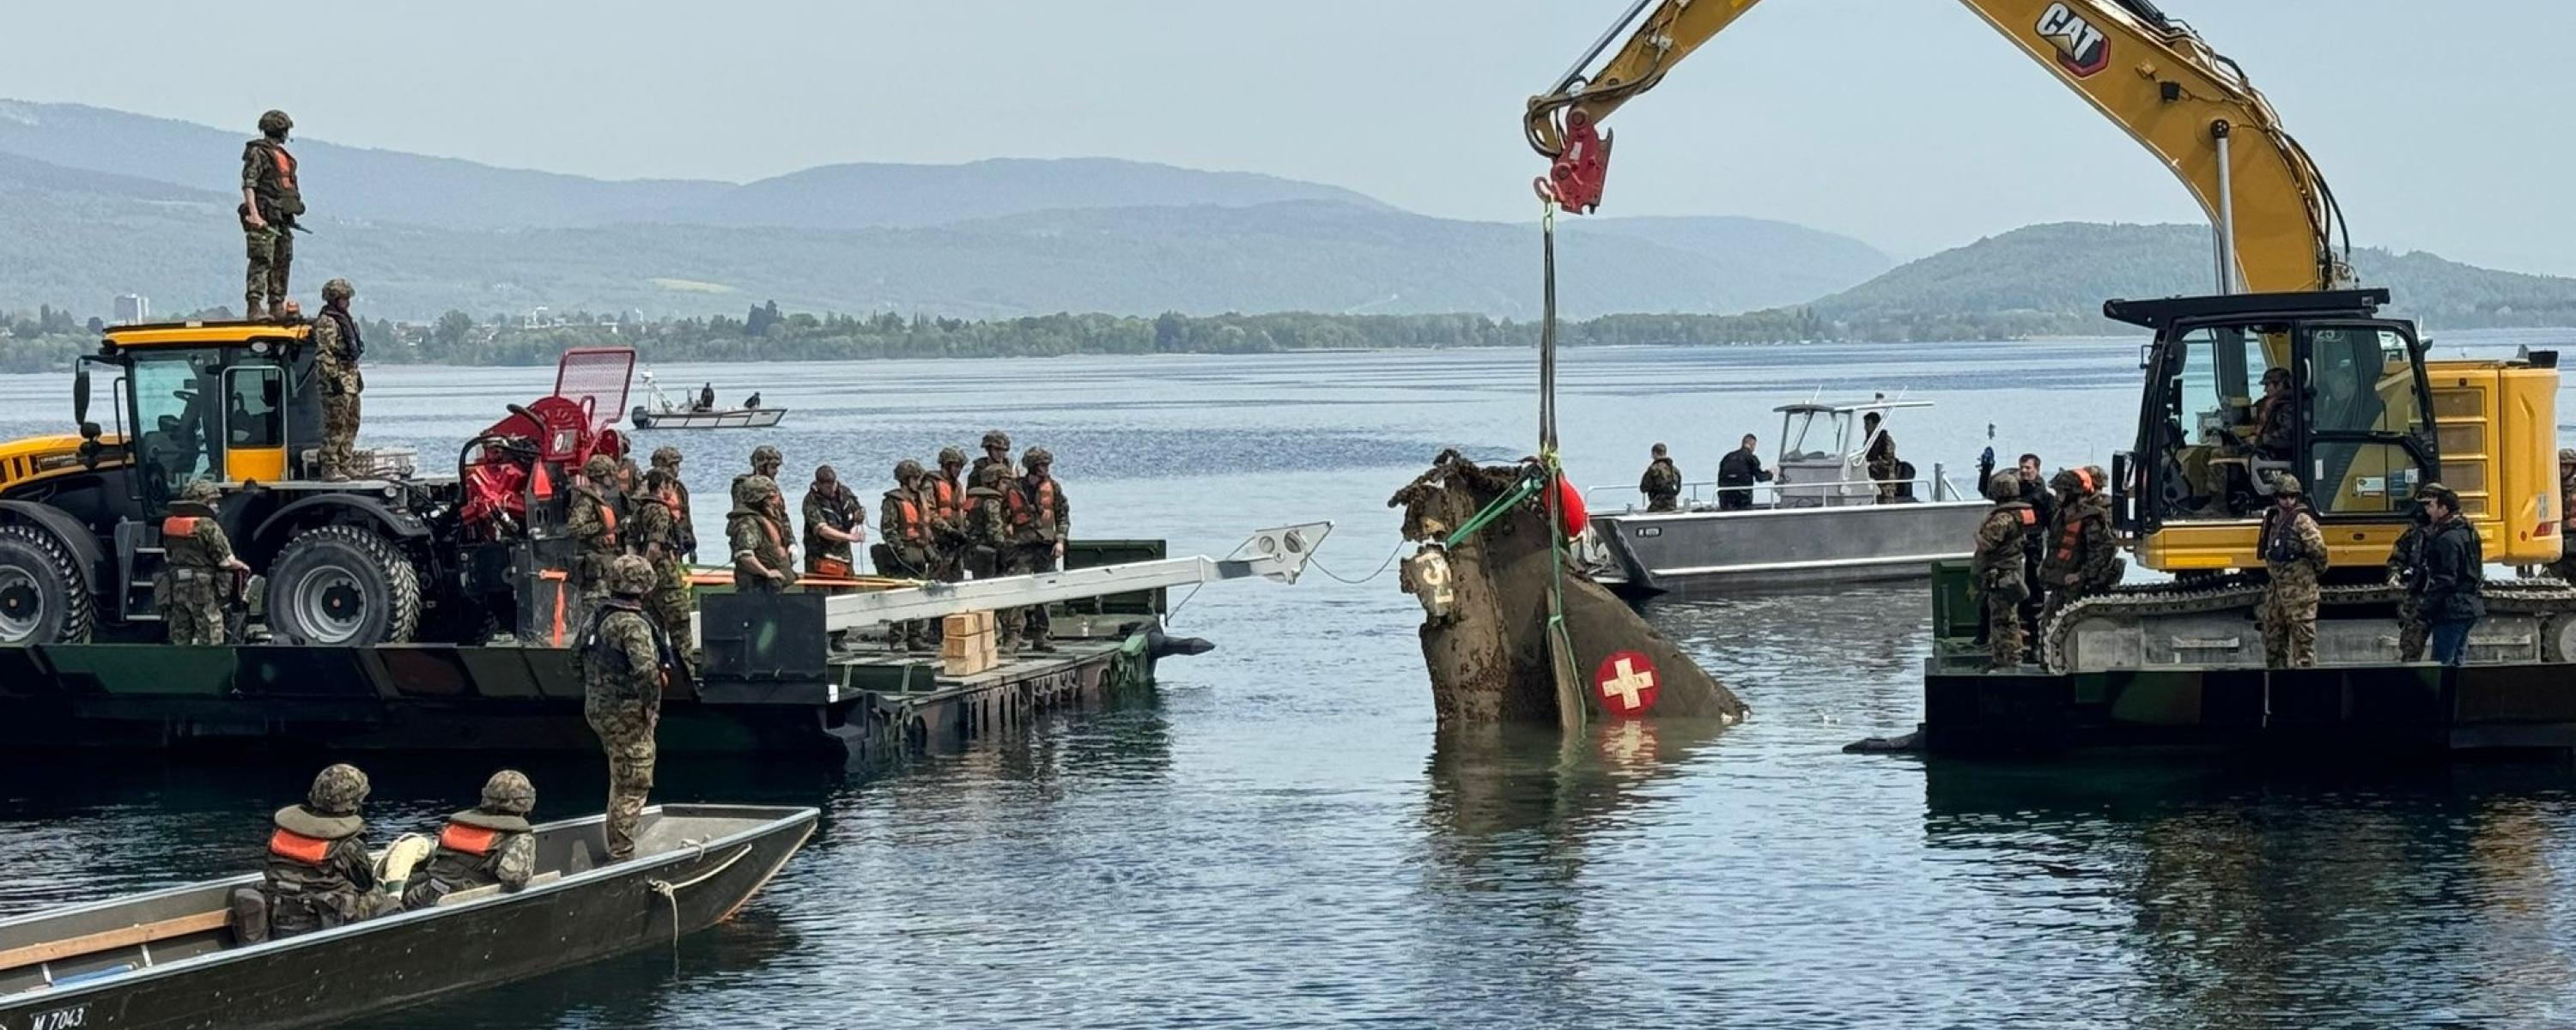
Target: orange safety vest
{"x": 607, "y": 514}
{"x": 469, "y": 840}
{"x": 285, "y": 165}
{"x": 908, "y": 525}
{"x": 1025, "y": 513}
{"x": 943, "y": 497}
{"x": 296, "y": 847}
{"x": 179, "y": 526}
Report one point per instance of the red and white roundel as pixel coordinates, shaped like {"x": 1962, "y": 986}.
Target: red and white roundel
{"x": 1628, "y": 683}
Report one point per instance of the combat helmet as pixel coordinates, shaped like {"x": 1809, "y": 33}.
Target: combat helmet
{"x": 601, "y": 470}
{"x": 2004, "y": 485}
{"x": 337, "y": 790}
{"x": 2287, "y": 485}
{"x": 509, "y": 791}
{"x": 997, "y": 438}
{"x": 337, "y": 290}
{"x": 754, "y": 491}
{"x": 906, "y": 471}
{"x": 951, "y": 456}
{"x": 2566, "y": 456}
{"x": 666, "y": 456}
{"x": 1035, "y": 457}
{"x": 766, "y": 455}
{"x": 630, "y": 575}
{"x": 274, "y": 122}
{"x": 200, "y": 491}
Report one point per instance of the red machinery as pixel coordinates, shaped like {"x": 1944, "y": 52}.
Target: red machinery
{"x": 523, "y": 459}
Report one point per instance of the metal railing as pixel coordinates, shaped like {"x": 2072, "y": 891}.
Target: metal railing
{"x": 1702, "y": 496}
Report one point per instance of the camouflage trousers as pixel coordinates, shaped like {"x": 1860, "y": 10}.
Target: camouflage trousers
{"x": 2004, "y": 641}
{"x": 1032, "y": 621}
{"x": 271, "y": 249}
{"x": 590, "y": 573}
{"x": 339, "y": 426}
{"x": 2289, "y": 619}
{"x": 192, "y": 611}
{"x": 294, "y": 912}
{"x": 2412, "y": 630}
{"x": 626, "y": 732}
{"x": 668, "y": 607}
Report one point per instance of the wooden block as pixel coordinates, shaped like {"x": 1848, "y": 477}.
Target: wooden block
{"x": 955, "y": 646}
{"x": 967, "y": 624}
{"x": 967, "y": 665}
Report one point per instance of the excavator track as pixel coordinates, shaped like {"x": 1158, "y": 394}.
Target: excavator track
{"x": 2551, "y": 602}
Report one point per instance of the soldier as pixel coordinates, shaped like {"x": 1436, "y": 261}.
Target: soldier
{"x": 2294, "y": 553}
{"x": 271, "y": 201}
{"x": 655, "y": 537}
{"x": 906, "y": 523}
{"x": 1995, "y": 569}
{"x": 488, "y": 844}
{"x": 943, "y": 492}
{"x": 765, "y": 462}
{"x": 1041, "y": 521}
{"x": 2035, "y": 491}
{"x": 336, "y": 350}
{"x": 988, "y": 536}
{"x": 1881, "y": 455}
{"x": 666, "y": 459}
{"x": 2451, "y": 586}
{"x": 2082, "y": 556}
{"x": 997, "y": 448}
{"x": 2275, "y": 419}
{"x": 1662, "y": 483}
{"x": 756, "y": 530}
{"x": 834, "y": 519}
{"x": 318, "y": 874}
{"x": 592, "y": 522}
{"x": 2405, "y": 567}
{"x": 624, "y": 661}
{"x": 1736, "y": 474}
{"x": 197, "y": 568}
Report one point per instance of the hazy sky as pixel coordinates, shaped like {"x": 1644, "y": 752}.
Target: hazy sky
{"x": 2442, "y": 125}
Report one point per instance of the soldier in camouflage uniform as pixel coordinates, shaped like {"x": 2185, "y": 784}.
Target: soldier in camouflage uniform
{"x": 1040, "y": 524}
{"x": 997, "y": 449}
{"x": 943, "y": 494}
{"x": 757, "y": 531}
{"x": 906, "y": 524}
{"x": 2081, "y": 555}
{"x": 318, "y": 874}
{"x": 2294, "y": 553}
{"x": 988, "y": 537}
{"x": 1996, "y": 571}
{"x": 271, "y": 202}
{"x": 765, "y": 462}
{"x": 197, "y": 568}
{"x": 624, "y": 660}
{"x": 336, "y": 350}
{"x": 1662, "y": 483}
{"x": 490, "y": 844}
{"x": 834, "y": 520}
{"x": 655, "y": 537}
{"x": 2405, "y": 569}
{"x": 592, "y": 522}
{"x": 666, "y": 459}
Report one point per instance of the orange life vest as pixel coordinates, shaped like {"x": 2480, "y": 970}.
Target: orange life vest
{"x": 285, "y": 166}
{"x": 293, "y": 846}
{"x": 2067, "y": 540}
{"x": 468, "y": 840}
{"x": 1025, "y": 512}
{"x": 909, "y": 527}
{"x": 179, "y": 526}
{"x": 943, "y": 497}
{"x": 607, "y": 513}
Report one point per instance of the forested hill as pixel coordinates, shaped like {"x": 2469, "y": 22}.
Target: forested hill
{"x": 2052, "y": 280}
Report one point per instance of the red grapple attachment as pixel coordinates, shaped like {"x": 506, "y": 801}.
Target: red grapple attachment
{"x": 1576, "y": 179}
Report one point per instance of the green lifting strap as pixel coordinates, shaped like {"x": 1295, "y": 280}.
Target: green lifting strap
{"x": 1519, "y": 492}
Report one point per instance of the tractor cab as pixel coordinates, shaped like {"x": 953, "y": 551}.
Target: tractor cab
{"x": 228, "y": 402}
{"x": 2244, "y": 389}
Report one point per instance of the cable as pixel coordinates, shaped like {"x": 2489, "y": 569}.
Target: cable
{"x": 1389, "y": 563}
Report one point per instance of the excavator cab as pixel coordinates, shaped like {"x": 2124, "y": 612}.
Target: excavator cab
{"x": 2247, "y": 388}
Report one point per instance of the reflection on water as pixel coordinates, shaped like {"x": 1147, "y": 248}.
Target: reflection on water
{"x": 1284, "y": 838}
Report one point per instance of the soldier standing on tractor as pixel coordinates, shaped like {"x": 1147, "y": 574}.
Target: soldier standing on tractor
{"x": 336, "y": 349}
{"x": 271, "y": 201}
{"x": 197, "y": 568}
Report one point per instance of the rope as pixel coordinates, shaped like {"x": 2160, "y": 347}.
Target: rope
{"x": 671, "y": 892}
{"x": 1519, "y": 492}
{"x": 1569, "y": 700}
{"x": 1381, "y": 568}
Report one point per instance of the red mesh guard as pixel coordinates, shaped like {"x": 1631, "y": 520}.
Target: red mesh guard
{"x": 596, "y": 378}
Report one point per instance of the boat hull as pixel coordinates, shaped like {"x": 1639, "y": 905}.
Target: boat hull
{"x": 742, "y": 418}
{"x": 395, "y": 961}
{"x": 1701, "y": 551}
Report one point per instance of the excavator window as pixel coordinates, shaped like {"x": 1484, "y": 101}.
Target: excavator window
{"x": 2369, "y": 439}
{"x": 2212, "y": 398}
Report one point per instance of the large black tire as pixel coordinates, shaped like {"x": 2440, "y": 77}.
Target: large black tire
{"x": 342, "y": 585}
{"x": 44, "y": 593}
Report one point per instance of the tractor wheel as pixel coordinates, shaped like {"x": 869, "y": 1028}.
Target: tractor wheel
{"x": 342, "y": 586}
{"x": 44, "y": 593}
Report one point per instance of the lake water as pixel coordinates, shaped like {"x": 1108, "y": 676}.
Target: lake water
{"x": 1283, "y": 838}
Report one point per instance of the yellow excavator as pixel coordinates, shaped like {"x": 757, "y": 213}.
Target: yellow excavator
{"x": 2374, "y": 418}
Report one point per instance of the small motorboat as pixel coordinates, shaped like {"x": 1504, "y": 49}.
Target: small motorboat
{"x": 168, "y": 958}
{"x": 1824, "y": 520}
{"x": 657, "y": 412}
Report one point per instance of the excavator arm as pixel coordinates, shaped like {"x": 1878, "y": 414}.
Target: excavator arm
{"x": 2153, "y": 75}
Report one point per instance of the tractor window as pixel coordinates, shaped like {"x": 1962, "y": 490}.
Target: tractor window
{"x": 171, "y": 394}
{"x": 252, "y": 417}
{"x": 2365, "y": 403}
{"x": 2212, "y": 392}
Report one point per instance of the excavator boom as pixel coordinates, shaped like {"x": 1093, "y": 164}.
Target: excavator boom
{"x": 2153, "y": 75}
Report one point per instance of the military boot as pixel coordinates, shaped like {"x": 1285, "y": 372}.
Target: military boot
{"x": 254, "y": 309}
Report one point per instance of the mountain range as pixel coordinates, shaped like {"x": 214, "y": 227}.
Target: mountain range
{"x": 100, "y": 202}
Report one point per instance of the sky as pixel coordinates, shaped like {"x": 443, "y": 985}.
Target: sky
{"x": 1906, "y": 123}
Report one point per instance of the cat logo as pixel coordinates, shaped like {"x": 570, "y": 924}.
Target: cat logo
{"x": 2082, "y": 48}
